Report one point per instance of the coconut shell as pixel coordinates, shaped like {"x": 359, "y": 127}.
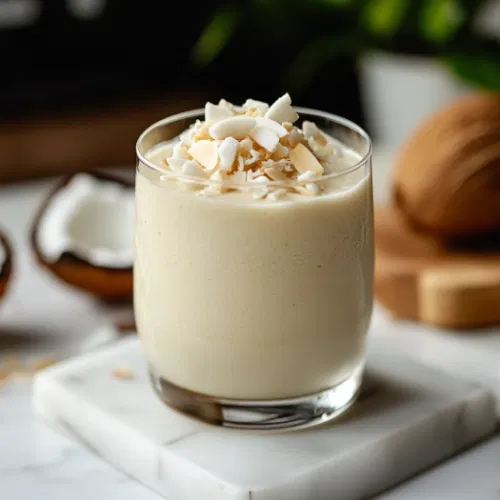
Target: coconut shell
{"x": 6, "y": 268}
{"x": 447, "y": 176}
{"x": 106, "y": 283}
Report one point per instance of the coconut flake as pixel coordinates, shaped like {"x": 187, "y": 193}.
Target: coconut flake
{"x": 322, "y": 151}
{"x": 246, "y": 145}
{"x": 260, "y": 192}
{"x": 310, "y": 130}
{"x": 91, "y": 218}
{"x": 313, "y": 188}
{"x": 277, "y": 194}
{"x": 304, "y": 160}
{"x": 306, "y": 176}
{"x": 275, "y": 173}
{"x": 188, "y": 135}
{"x": 293, "y": 138}
{"x": 216, "y": 113}
{"x": 176, "y": 164}
{"x": 218, "y": 178}
{"x": 205, "y": 153}
{"x": 226, "y": 104}
{"x": 236, "y": 126}
{"x": 260, "y": 106}
{"x": 278, "y": 129}
{"x": 265, "y": 137}
{"x": 241, "y": 163}
{"x": 282, "y": 111}
{"x": 192, "y": 169}
{"x": 254, "y": 156}
{"x": 280, "y": 152}
{"x": 203, "y": 132}
{"x": 180, "y": 151}
{"x": 261, "y": 179}
{"x": 227, "y": 152}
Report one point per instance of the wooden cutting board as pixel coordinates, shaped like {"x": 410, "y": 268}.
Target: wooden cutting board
{"x": 417, "y": 278}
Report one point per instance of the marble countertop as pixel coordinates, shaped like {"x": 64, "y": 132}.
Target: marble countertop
{"x": 41, "y": 317}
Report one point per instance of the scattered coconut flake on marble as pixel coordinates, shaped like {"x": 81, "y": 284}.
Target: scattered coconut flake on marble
{"x": 123, "y": 373}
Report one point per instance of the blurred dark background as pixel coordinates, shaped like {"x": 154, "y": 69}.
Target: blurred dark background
{"x": 81, "y": 78}
{"x": 80, "y": 53}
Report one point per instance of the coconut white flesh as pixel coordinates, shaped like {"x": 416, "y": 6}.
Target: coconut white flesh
{"x": 91, "y": 218}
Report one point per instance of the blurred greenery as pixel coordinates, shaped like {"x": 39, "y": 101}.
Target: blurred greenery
{"x": 444, "y": 29}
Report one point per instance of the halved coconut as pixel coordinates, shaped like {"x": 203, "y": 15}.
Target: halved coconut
{"x": 5, "y": 264}
{"x": 83, "y": 234}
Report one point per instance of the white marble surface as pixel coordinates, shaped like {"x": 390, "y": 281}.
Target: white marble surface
{"x": 474, "y": 355}
{"x": 39, "y": 463}
{"x": 40, "y": 316}
{"x": 409, "y": 418}
{"x": 471, "y": 476}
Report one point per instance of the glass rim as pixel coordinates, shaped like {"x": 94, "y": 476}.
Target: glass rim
{"x": 195, "y": 113}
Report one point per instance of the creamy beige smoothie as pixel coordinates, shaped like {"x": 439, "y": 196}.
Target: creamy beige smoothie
{"x": 255, "y": 280}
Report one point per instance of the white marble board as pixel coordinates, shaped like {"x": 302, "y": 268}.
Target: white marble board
{"x": 473, "y": 354}
{"x": 469, "y": 476}
{"x": 408, "y": 418}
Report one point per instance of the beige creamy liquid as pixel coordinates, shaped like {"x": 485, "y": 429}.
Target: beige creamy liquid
{"x": 249, "y": 299}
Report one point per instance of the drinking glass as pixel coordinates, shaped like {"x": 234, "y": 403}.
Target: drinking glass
{"x": 254, "y": 314}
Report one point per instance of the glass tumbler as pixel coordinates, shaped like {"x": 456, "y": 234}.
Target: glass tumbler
{"x": 252, "y": 313}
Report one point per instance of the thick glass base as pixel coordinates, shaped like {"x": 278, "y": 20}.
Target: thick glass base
{"x": 291, "y": 413}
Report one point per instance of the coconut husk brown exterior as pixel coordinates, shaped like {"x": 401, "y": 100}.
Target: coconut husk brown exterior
{"x": 417, "y": 278}
{"x": 6, "y": 268}
{"x": 106, "y": 283}
{"x": 447, "y": 176}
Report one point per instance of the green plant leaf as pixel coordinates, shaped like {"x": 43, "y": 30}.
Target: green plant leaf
{"x": 441, "y": 19}
{"x": 216, "y": 35}
{"x": 384, "y": 17}
{"x": 482, "y": 72}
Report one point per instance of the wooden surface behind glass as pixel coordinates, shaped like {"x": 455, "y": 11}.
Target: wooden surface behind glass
{"x": 76, "y": 141}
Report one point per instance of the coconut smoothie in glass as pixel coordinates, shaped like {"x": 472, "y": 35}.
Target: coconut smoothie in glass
{"x": 253, "y": 275}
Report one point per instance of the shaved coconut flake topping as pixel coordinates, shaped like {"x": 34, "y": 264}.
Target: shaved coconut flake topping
{"x": 91, "y": 218}
{"x": 214, "y": 113}
{"x": 252, "y": 145}
{"x": 282, "y": 111}
{"x": 237, "y": 126}
{"x": 227, "y": 153}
